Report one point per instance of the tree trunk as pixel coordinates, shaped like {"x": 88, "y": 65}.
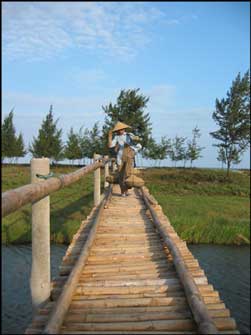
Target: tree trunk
{"x": 228, "y": 168}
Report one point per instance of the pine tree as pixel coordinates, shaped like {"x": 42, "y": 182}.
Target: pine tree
{"x": 232, "y": 115}
{"x": 8, "y": 136}
{"x": 130, "y": 109}
{"x": 12, "y": 146}
{"x": 95, "y": 140}
{"x": 72, "y": 149}
{"x": 48, "y": 143}
{"x": 84, "y": 141}
{"x": 193, "y": 150}
{"x": 19, "y": 147}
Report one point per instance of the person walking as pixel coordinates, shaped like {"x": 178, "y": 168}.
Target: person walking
{"x": 126, "y": 147}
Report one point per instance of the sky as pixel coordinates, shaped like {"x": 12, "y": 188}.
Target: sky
{"x": 78, "y": 56}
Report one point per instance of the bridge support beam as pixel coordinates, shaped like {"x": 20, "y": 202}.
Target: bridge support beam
{"x": 40, "y": 269}
{"x": 96, "y": 183}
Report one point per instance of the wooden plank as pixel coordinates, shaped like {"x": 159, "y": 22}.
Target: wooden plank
{"x": 169, "y": 325}
{"x": 73, "y": 317}
{"x": 206, "y": 324}
{"x": 129, "y": 302}
{"x": 61, "y": 307}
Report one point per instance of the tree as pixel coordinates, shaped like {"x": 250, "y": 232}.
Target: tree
{"x": 84, "y": 141}
{"x": 151, "y": 151}
{"x": 19, "y": 147}
{"x": 163, "y": 149}
{"x": 72, "y": 149}
{"x": 49, "y": 141}
{"x": 193, "y": 150}
{"x": 90, "y": 141}
{"x": 232, "y": 115}
{"x": 178, "y": 150}
{"x": 157, "y": 151}
{"x": 8, "y": 136}
{"x": 95, "y": 141}
{"x": 130, "y": 109}
{"x": 12, "y": 146}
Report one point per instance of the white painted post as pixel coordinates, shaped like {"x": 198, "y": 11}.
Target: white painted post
{"x": 106, "y": 184}
{"x": 96, "y": 182}
{"x": 40, "y": 280}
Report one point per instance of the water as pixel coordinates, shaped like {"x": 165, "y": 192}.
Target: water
{"x": 16, "y": 299}
{"x": 227, "y": 269}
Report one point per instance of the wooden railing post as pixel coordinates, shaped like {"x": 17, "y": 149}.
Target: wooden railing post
{"x": 96, "y": 182}
{"x": 106, "y": 184}
{"x": 40, "y": 269}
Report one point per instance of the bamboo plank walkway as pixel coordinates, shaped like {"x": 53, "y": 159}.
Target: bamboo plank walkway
{"x": 129, "y": 284}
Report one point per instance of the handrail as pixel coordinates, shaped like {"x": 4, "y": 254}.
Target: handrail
{"x": 199, "y": 309}
{"x": 13, "y": 200}
{"x": 63, "y": 302}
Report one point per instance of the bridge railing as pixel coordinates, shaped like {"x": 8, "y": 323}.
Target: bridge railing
{"x": 43, "y": 183}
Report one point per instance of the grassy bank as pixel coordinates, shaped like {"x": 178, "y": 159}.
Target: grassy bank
{"x": 202, "y": 204}
{"x": 68, "y": 206}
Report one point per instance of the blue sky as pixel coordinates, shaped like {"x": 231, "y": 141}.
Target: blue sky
{"x": 79, "y": 55}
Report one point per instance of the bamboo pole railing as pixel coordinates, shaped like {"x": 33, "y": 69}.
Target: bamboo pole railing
{"x": 200, "y": 312}
{"x": 37, "y": 193}
{"x": 13, "y": 200}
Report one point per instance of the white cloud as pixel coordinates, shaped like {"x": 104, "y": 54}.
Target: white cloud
{"x": 70, "y": 110}
{"x": 39, "y": 30}
{"x": 173, "y": 21}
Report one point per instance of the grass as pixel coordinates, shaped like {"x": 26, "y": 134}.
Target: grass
{"x": 202, "y": 204}
{"x": 69, "y": 206}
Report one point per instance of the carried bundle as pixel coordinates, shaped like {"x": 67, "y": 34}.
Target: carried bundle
{"x": 135, "y": 171}
{"x": 113, "y": 178}
{"x": 134, "y": 181}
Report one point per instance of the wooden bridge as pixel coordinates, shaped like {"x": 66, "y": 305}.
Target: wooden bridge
{"x": 126, "y": 271}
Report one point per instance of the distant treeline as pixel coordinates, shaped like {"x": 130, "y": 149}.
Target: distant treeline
{"x": 231, "y": 114}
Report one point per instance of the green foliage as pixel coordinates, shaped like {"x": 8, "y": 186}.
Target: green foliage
{"x": 178, "y": 150}
{"x": 72, "y": 149}
{"x": 157, "y": 151}
{"x": 19, "y": 149}
{"x": 49, "y": 141}
{"x": 90, "y": 141}
{"x": 95, "y": 140}
{"x": 12, "y": 145}
{"x": 232, "y": 115}
{"x": 69, "y": 206}
{"x": 193, "y": 150}
{"x": 84, "y": 142}
{"x": 8, "y": 136}
{"x": 129, "y": 109}
{"x": 202, "y": 204}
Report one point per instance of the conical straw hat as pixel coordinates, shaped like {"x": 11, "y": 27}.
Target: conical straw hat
{"x": 120, "y": 125}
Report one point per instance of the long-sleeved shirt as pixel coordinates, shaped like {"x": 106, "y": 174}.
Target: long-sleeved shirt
{"x": 120, "y": 140}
